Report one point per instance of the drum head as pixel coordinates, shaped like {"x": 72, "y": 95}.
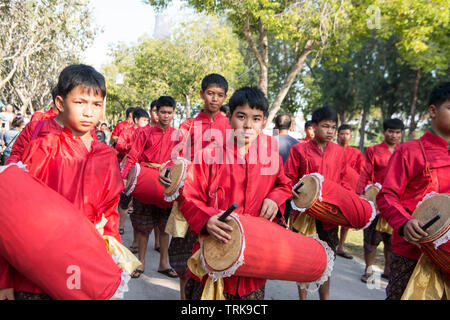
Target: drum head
{"x": 176, "y": 175}
{"x": 220, "y": 256}
{"x": 428, "y": 209}
{"x": 308, "y": 193}
{"x": 130, "y": 178}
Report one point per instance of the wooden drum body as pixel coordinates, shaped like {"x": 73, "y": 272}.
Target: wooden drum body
{"x": 329, "y": 202}
{"x": 143, "y": 185}
{"x": 436, "y": 245}
{"x": 262, "y": 249}
{"x": 52, "y": 244}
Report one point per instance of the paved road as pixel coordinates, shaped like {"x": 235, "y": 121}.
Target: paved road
{"x": 345, "y": 281}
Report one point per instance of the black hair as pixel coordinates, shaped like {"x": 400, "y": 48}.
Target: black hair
{"x": 393, "y": 124}
{"x": 140, "y": 113}
{"x": 324, "y": 113}
{"x": 283, "y": 121}
{"x": 308, "y": 124}
{"x": 225, "y": 108}
{"x": 344, "y": 127}
{"x": 54, "y": 94}
{"x": 254, "y": 97}
{"x": 153, "y": 104}
{"x": 17, "y": 122}
{"x": 439, "y": 94}
{"x": 214, "y": 79}
{"x": 128, "y": 111}
{"x": 165, "y": 101}
{"x": 80, "y": 75}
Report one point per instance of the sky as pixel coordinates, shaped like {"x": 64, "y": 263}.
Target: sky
{"x": 121, "y": 21}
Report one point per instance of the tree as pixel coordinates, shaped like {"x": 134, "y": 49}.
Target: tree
{"x": 422, "y": 28}
{"x": 176, "y": 66}
{"x": 37, "y": 39}
{"x": 306, "y": 27}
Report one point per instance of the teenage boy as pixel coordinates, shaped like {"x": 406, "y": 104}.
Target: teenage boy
{"x": 415, "y": 169}
{"x": 214, "y": 183}
{"x": 123, "y": 146}
{"x": 309, "y": 132}
{"x": 152, "y": 146}
{"x": 209, "y": 126}
{"x": 354, "y": 158}
{"x": 323, "y": 156}
{"x": 74, "y": 163}
{"x": 373, "y": 170}
{"x": 122, "y": 125}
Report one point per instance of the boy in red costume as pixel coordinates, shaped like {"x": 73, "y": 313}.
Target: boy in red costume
{"x": 354, "y": 158}
{"x": 327, "y": 158}
{"x": 373, "y": 170}
{"x": 415, "y": 169}
{"x": 73, "y": 163}
{"x": 224, "y": 174}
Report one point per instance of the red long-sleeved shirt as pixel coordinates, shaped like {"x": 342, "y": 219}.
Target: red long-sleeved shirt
{"x": 212, "y": 186}
{"x": 405, "y": 184}
{"x": 89, "y": 179}
{"x": 373, "y": 170}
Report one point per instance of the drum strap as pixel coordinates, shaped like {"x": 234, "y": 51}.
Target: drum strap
{"x": 427, "y": 172}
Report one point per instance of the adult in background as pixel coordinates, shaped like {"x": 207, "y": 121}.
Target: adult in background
{"x": 10, "y": 137}
{"x": 9, "y": 115}
{"x": 285, "y": 141}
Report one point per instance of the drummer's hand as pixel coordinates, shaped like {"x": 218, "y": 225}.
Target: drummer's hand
{"x": 269, "y": 209}
{"x": 217, "y": 229}
{"x": 7, "y": 294}
{"x": 164, "y": 181}
{"x": 413, "y": 231}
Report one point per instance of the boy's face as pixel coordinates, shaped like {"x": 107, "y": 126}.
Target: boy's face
{"x": 213, "y": 98}
{"x": 81, "y": 110}
{"x": 392, "y": 136}
{"x": 324, "y": 131}
{"x": 344, "y": 136}
{"x": 165, "y": 115}
{"x": 309, "y": 132}
{"x": 441, "y": 117}
{"x": 247, "y": 124}
{"x": 142, "y": 122}
{"x": 154, "y": 115}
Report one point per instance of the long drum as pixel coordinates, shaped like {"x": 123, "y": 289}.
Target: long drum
{"x": 436, "y": 245}
{"x": 329, "y": 202}
{"x": 370, "y": 194}
{"x": 143, "y": 185}
{"x": 52, "y": 244}
{"x": 263, "y": 249}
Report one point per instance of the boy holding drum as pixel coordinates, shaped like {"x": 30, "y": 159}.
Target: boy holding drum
{"x": 244, "y": 170}
{"x": 415, "y": 169}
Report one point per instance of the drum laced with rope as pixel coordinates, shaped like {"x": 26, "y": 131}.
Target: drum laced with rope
{"x": 329, "y": 202}
{"x": 176, "y": 225}
{"x": 370, "y": 193}
{"x": 435, "y": 207}
{"x": 251, "y": 252}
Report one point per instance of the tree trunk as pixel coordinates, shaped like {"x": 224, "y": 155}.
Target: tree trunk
{"x": 261, "y": 53}
{"x": 290, "y": 78}
{"x": 413, "y": 123}
{"x": 362, "y": 128}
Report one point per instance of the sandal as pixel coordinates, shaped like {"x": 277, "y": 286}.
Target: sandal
{"x": 344, "y": 254}
{"x": 134, "y": 249}
{"x": 137, "y": 273}
{"x": 365, "y": 277}
{"x": 168, "y": 272}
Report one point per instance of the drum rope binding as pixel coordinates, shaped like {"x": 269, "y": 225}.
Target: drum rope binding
{"x": 138, "y": 170}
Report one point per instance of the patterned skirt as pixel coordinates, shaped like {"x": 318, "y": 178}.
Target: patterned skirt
{"x": 180, "y": 250}
{"x": 401, "y": 270}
